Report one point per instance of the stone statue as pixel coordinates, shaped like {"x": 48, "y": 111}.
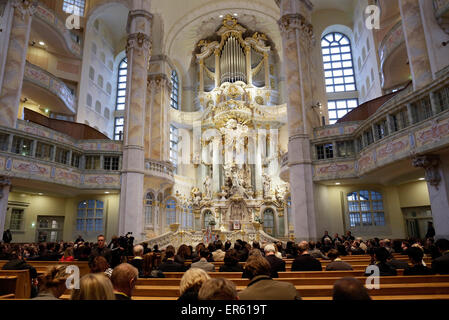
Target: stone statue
{"x": 196, "y": 197}
{"x": 266, "y": 185}
{"x": 207, "y": 188}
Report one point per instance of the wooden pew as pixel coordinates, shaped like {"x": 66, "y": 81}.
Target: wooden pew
{"x": 23, "y": 282}
{"x": 7, "y": 284}
{"x": 42, "y": 266}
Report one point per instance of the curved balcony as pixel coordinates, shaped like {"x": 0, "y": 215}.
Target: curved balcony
{"x": 284, "y": 172}
{"x": 442, "y": 13}
{"x": 393, "y": 58}
{"x": 161, "y": 170}
{"x": 48, "y": 90}
{"x": 46, "y": 22}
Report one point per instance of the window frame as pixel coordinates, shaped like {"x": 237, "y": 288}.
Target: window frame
{"x": 123, "y": 65}
{"x": 76, "y": 4}
{"x": 337, "y": 109}
{"x": 366, "y": 214}
{"x": 174, "y": 95}
{"x": 119, "y": 136}
{"x": 85, "y": 217}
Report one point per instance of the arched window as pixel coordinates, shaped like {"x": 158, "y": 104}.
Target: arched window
{"x": 338, "y": 66}
{"x": 268, "y": 221}
{"x": 98, "y": 107}
{"x": 103, "y": 57}
{"x": 366, "y": 208}
{"x": 149, "y": 203}
{"x": 108, "y": 88}
{"x": 89, "y": 100}
{"x": 121, "y": 84}
{"x": 170, "y": 211}
{"x": 74, "y": 6}
{"x": 90, "y": 216}
{"x": 100, "y": 81}
{"x": 208, "y": 217}
{"x": 92, "y": 73}
{"x": 94, "y": 48}
{"x": 174, "y": 97}
{"x": 106, "y": 113}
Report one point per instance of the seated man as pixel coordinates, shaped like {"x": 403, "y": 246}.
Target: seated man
{"x": 169, "y": 264}
{"x": 16, "y": 262}
{"x": 203, "y": 264}
{"x": 441, "y": 265}
{"x": 277, "y": 265}
{"x": 385, "y": 269}
{"x": 349, "y": 289}
{"x": 416, "y": 255}
{"x": 337, "y": 263}
{"x": 137, "y": 261}
{"x": 218, "y": 289}
{"x": 261, "y": 286}
{"x": 305, "y": 262}
{"x": 124, "y": 278}
{"x": 315, "y": 252}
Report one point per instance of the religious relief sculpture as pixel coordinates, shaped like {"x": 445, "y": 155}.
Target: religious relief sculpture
{"x": 196, "y": 197}
{"x": 266, "y": 186}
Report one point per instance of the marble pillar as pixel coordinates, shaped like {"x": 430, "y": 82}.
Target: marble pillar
{"x": 15, "y": 61}
{"x": 437, "y": 177}
{"x": 297, "y": 42}
{"x": 415, "y": 40}
{"x": 5, "y": 186}
{"x": 138, "y": 53}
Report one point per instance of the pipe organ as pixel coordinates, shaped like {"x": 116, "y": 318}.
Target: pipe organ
{"x": 232, "y": 62}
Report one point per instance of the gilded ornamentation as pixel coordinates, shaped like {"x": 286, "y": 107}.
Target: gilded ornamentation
{"x": 25, "y": 7}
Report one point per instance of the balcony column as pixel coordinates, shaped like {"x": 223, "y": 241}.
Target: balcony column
{"x": 298, "y": 42}
{"x": 410, "y": 114}
{"x": 138, "y": 53}
{"x": 415, "y": 40}
{"x": 389, "y": 124}
{"x": 434, "y": 103}
{"x": 15, "y": 61}
{"x": 5, "y": 187}
{"x": 437, "y": 177}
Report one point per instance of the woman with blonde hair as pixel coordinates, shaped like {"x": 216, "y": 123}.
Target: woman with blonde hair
{"x": 191, "y": 283}
{"x": 94, "y": 286}
{"x": 52, "y": 284}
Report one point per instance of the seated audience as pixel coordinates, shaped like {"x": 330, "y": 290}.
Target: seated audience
{"x": 305, "y": 262}
{"x": 52, "y": 284}
{"x": 276, "y": 264}
{"x": 137, "y": 261}
{"x": 16, "y": 262}
{"x": 124, "y": 278}
{"x": 94, "y": 286}
{"x": 316, "y": 252}
{"x": 218, "y": 254}
{"x": 100, "y": 265}
{"x": 441, "y": 265}
{"x": 356, "y": 249}
{"x": 326, "y": 236}
{"x": 231, "y": 262}
{"x": 203, "y": 264}
{"x": 191, "y": 283}
{"x": 262, "y": 286}
{"x": 337, "y": 263}
{"x": 347, "y": 289}
{"x": 416, "y": 259}
{"x": 169, "y": 264}
{"x": 183, "y": 254}
{"x": 348, "y": 236}
{"x": 218, "y": 289}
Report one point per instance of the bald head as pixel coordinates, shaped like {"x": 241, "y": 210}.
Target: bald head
{"x": 303, "y": 247}
{"x": 124, "y": 278}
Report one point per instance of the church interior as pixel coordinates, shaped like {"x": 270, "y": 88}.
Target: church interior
{"x": 256, "y": 120}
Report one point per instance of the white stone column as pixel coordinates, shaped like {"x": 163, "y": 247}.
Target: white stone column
{"x": 297, "y": 43}
{"x": 437, "y": 177}
{"x": 5, "y": 186}
{"x": 138, "y": 54}
{"x": 15, "y": 61}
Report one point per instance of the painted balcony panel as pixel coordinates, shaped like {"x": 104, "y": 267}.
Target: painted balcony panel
{"x": 46, "y": 89}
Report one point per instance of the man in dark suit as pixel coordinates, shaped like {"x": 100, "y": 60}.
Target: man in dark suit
{"x": 137, "y": 261}
{"x": 124, "y": 278}
{"x": 101, "y": 250}
{"x": 277, "y": 265}
{"x": 416, "y": 255}
{"x": 441, "y": 265}
{"x": 305, "y": 262}
{"x": 169, "y": 264}
{"x": 262, "y": 287}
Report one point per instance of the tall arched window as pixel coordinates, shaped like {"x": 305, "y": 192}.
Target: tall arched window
{"x": 149, "y": 203}
{"x": 90, "y": 216}
{"x": 121, "y": 84}
{"x": 268, "y": 221}
{"x": 339, "y": 73}
{"x": 170, "y": 211}
{"x": 74, "y": 6}
{"x": 365, "y": 208}
{"x": 174, "y": 97}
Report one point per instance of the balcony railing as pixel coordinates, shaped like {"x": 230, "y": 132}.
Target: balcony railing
{"x": 72, "y": 40}
{"x": 51, "y": 83}
{"x": 159, "y": 169}
{"x": 392, "y": 40}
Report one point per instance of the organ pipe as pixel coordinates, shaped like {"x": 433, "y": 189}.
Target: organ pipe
{"x": 232, "y": 61}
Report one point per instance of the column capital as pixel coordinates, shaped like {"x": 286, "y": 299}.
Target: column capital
{"x": 295, "y": 21}
{"x": 139, "y": 42}
{"x": 25, "y": 7}
{"x": 135, "y": 14}
{"x": 430, "y": 163}
{"x": 159, "y": 80}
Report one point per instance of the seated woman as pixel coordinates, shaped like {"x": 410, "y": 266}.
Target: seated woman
{"x": 191, "y": 283}
{"x": 150, "y": 267}
{"x": 68, "y": 255}
{"x": 100, "y": 265}
{"x": 52, "y": 284}
{"x": 94, "y": 286}
{"x": 231, "y": 262}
